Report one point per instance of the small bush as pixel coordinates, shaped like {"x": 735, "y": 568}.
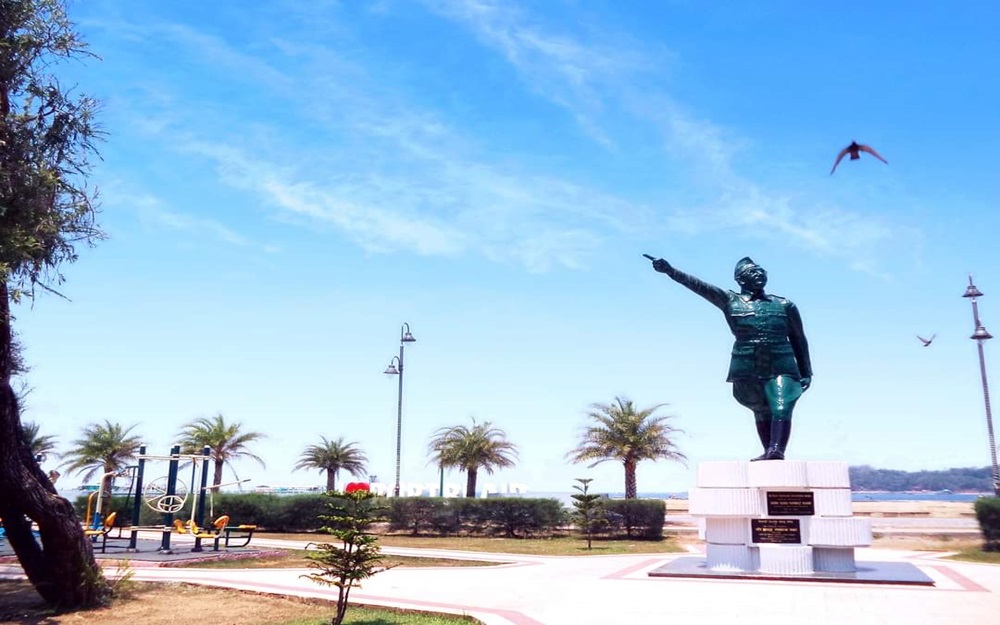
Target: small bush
{"x": 260, "y": 509}
{"x": 416, "y": 514}
{"x": 638, "y": 518}
{"x": 510, "y": 516}
{"x": 988, "y": 515}
{"x": 297, "y": 513}
{"x": 124, "y": 506}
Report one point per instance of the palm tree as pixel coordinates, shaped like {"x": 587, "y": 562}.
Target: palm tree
{"x": 106, "y": 447}
{"x": 469, "y": 449}
{"x": 333, "y": 457}
{"x": 40, "y": 444}
{"x": 226, "y": 441}
{"x": 628, "y": 435}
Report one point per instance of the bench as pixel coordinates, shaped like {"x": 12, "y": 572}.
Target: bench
{"x": 213, "y": 533}
{"x": 238, "y": 532}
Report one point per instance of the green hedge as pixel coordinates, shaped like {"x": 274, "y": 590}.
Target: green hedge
{"x": 637, "y": 518}
{"x": 499, "y": 516}
{"x": 507, "y": 516}
{"x": 123, "y": 506}
{"x": 988, "y": 514}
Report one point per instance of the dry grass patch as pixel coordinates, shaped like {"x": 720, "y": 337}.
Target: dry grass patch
{"x": 926, "y": 542}
{"x": 561, "y": 546}
{"x": 976, "y": 554}
{"x": 170, "y": 604}
{"x": 296, "y": 559}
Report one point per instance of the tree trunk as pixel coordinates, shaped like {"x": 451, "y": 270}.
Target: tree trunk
{"x": 62, "y": 568}
{"x": 219, "y": 464}
{"x": 331, "y": 480}
{"x": 470, "y": 483}
{"x": 630, "y": 488}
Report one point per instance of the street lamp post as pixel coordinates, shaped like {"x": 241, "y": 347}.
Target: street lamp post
{"x": 980, "y": 335}
{"x": 396, "y": 368}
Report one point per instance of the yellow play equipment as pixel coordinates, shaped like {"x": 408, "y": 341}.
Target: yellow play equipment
{"x": 109, "y": 523}
{"x": 214, "y": 533}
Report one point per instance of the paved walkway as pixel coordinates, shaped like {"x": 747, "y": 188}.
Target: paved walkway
{"x": 583, "y": 590}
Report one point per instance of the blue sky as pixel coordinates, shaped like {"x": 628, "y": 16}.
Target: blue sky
{"x": 285, "y": 183}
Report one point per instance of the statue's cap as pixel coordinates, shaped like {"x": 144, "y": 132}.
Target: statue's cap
{"x": 742, "y": 265}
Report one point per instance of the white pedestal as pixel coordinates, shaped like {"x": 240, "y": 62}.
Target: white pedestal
{"x": 778, "y": 517}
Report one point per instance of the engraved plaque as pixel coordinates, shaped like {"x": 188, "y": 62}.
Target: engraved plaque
{"x": 790, "y": 503}
{"x": 776, "y": 531}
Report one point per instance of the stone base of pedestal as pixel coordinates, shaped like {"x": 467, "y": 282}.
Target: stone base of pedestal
{"x": 775, "y": 517}
{"x": 902, "y": 573}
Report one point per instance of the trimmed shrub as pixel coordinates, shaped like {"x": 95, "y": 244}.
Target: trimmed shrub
{"x": 260, "y": 509}
{"x": 515, "y": 517}
{"x": 510, "y": 516}
{"x": 298, "y": 513}
{"x": 638, "y": 518}
{"x": 446, "y": 520}
{"x": 473, "y": 518}
{"x": 988, "y": 515}
{"x": 123, "y": 506}
{"x": 416, "y": 514}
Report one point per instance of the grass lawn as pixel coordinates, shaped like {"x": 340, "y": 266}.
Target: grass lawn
{"x": 560, "y": 546}
{"x": 976, "y": 554}
{"x": 170, "y": 604}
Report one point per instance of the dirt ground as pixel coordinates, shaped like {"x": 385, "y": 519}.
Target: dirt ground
{"x": 164, "y": 604}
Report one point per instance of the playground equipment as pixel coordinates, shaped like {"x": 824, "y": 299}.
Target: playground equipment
{"x": 168, "y": 494}
{"x": 214, "y": 533}
{"x": 103, "y": 531}
{"x": 94, "y": 512}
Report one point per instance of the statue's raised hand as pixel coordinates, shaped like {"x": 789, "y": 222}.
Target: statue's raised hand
{"x": 661, "y": 265}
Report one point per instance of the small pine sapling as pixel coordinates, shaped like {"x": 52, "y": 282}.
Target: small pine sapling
{"x": 358, "y": 556}
{"x": 589, "y": 515}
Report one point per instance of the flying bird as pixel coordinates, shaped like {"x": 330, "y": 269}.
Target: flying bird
{"x": 926, "y": 342}
{"x": 855, "y": 150}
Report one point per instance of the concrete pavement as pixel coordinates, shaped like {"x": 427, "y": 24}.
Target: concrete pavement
{"x": 583, "y": 590}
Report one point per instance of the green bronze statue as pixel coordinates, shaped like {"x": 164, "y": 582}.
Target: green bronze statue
{"x": 770, "y": 366}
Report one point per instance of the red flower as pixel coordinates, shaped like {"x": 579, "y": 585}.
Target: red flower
{"x": 356, "y": 486}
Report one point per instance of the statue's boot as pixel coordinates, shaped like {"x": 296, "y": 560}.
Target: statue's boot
{"x": 764, "y": 433}
{"x": 780, "y": 432}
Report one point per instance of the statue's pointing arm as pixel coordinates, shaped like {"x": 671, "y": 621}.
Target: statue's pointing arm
{"x": 797, "y": 337}
{"x": 713, "y": 294}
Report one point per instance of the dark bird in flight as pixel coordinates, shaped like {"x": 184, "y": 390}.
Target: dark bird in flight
{"x": 926, "y": 342}
{"x": 855, "y": 150}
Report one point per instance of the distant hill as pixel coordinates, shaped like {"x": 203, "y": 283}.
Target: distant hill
{"x": 866, "y": 477}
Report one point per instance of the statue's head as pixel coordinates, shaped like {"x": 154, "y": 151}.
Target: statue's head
{"x": 749, "y": 274}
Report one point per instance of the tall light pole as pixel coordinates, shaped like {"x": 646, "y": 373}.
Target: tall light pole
{"x": 979, "y": 336}
{"x": 396, "y": 368}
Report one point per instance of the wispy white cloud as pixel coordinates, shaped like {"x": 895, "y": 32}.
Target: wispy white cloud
{"x": 353, "y": 154}
{"x": 588, "y": 79}
{"x": 536, "y": 221}
{"x": 151, "y": 211}
{"x": 356, "y": 154}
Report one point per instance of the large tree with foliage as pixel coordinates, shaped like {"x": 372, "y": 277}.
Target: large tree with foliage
{"x": 333, "y": 457}
{"x": 627, "y": 434}
{"x": 41, "y": 445}
{"x": 106, "y": 447}
{"x": 47, "y": 136}
{"x": 227, "y": 441}
{"x": 469, "y": 449}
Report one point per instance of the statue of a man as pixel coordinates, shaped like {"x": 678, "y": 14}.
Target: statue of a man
{"x": 770, "y": 365}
